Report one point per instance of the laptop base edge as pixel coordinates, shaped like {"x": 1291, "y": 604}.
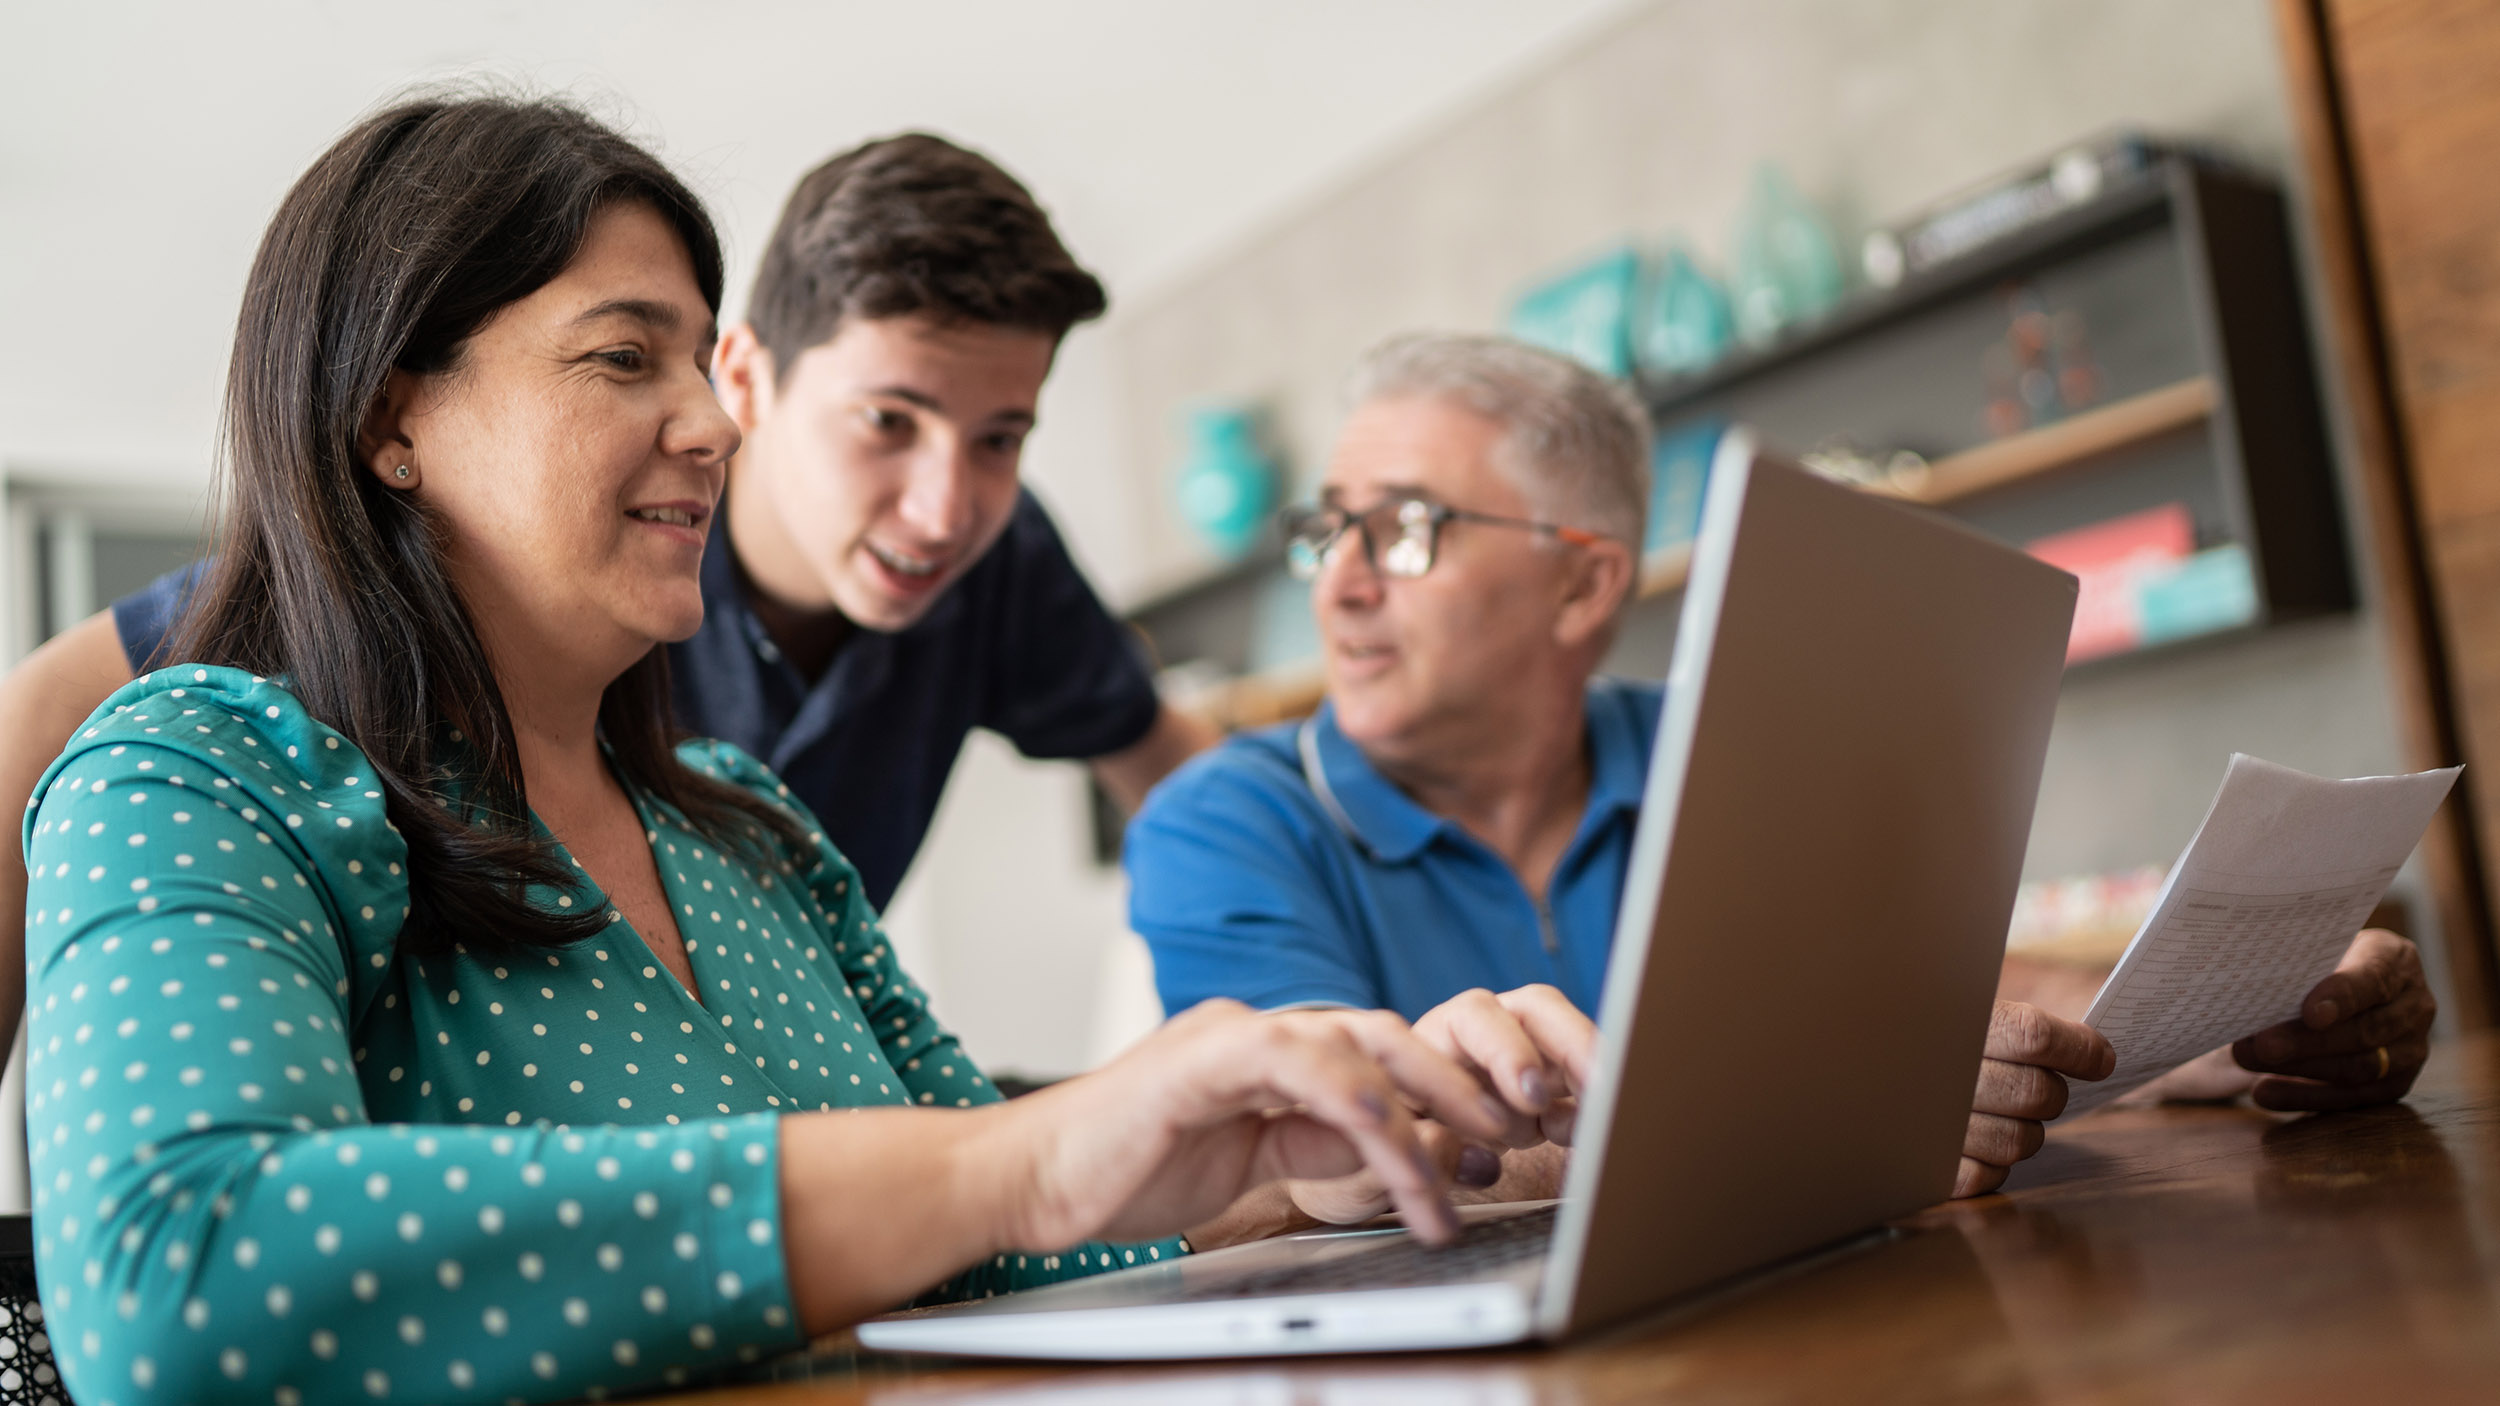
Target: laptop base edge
{"x": 1435, "y": 1319}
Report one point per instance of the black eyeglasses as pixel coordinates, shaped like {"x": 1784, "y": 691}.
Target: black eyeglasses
{"x": 1400, "y": 535}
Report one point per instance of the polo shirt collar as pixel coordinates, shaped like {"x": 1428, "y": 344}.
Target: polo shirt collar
{"x": 1380, "y": 818}
{"x": 725, "y": 594}
{"x": 1389, "y": 824}
{"x": 720, "y": 574}
{"x": 1619, "y": 754}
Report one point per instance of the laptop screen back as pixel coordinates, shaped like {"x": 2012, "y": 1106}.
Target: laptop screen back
{"x": 1857, "y": 714}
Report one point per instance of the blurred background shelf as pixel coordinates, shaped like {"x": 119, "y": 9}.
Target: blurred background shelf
{"x": 2062, "y": 444}
{"x": 2140, "y": 356}
{"x": 2050, "y": 449}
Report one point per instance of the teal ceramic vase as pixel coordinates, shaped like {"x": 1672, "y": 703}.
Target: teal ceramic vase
{"x": 1686, "y": 323}
{"x": 1585, "y": 313}
{"x": 1786, "y": 270}
{"x": 1227, "y": 482}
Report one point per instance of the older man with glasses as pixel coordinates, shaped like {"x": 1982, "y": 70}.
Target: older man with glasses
{"x": 1457, "y": 817}
{"x": 1465, "y": 779}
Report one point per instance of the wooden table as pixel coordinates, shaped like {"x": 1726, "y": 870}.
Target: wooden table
{"x": 2169, "y": 1254}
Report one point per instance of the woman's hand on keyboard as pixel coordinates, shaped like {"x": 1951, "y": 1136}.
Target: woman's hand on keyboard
{"x": 1221, "y": 1100}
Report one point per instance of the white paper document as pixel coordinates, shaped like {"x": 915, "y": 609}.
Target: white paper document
{"x": 2283, "y": 872}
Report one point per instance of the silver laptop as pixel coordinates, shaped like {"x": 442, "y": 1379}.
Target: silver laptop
{"x": 1857, "y": 711}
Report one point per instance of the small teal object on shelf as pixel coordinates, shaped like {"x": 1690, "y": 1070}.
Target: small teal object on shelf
{"x": 1586, "y": 313}
{"x": 2216, "y": 589}
{"x": 1786, "y": 270}
{"x": 1679, "y": 469}
{"x": 1685, "y": 323}
{"x": 1227, "y": 483}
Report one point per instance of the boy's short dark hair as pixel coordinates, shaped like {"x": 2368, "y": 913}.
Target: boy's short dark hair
{"x": 913, "y": 225}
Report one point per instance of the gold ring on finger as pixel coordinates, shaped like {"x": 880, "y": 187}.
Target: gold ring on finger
{"x": 2382, "y": 1061}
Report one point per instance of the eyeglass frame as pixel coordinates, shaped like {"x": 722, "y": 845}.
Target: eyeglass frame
{"x": 1419, "y": 521}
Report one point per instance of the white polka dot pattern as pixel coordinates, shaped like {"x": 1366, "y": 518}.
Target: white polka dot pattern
{"x": 275, "y": 1157}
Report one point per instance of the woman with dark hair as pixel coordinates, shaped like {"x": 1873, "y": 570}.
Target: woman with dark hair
{"x": 412, "y": 1015}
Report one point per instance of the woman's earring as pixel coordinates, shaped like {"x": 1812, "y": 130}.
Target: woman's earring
{"x": 400, "y": 473}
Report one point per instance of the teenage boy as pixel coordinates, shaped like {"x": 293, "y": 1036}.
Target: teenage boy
{"x": 878, "y": 583}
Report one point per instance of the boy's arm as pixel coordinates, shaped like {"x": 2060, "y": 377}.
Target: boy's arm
{"x": 42, "y": 700}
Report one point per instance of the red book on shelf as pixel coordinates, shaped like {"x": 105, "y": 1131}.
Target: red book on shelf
{"x": 2110, "y": 558}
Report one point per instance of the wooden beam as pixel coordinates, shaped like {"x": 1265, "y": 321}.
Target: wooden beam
{"x": 2402, "y": 588}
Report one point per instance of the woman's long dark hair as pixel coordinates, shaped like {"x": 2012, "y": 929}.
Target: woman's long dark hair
{"x": 398, "y": 245}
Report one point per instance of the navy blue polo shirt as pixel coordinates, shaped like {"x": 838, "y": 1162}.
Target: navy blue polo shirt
{"x": 1282, "y": 869}
{"x": 1021, "y": 646}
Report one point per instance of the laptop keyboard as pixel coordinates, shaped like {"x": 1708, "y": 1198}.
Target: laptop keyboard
{"x": 1403, "y": 1262}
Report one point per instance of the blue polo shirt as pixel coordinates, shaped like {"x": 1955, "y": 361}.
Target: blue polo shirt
{"x": 1282, "y": 869}
{"x": 1021, "y": 646}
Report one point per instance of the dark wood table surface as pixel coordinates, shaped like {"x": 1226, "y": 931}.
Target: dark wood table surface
{"x": 2191, "y": 1254}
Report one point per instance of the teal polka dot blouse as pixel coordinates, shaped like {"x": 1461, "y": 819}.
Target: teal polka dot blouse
{"x": 276, "y": 1159}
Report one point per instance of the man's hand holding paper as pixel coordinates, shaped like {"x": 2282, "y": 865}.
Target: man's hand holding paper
{"x": 2282, "y": 867}
{"x": 2020, "y": 1089}
{"x": 2254, "y": 930}
{"x": 2361, "y": 1036}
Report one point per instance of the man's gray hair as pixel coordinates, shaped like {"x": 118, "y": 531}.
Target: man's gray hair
{"x": 1575, "y": 442}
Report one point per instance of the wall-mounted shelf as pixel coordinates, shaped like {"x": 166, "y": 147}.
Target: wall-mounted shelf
{"x": 2050, "y": 449}
{"x": 2062, "y": 444}
{"x": 2201, "y": 395}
